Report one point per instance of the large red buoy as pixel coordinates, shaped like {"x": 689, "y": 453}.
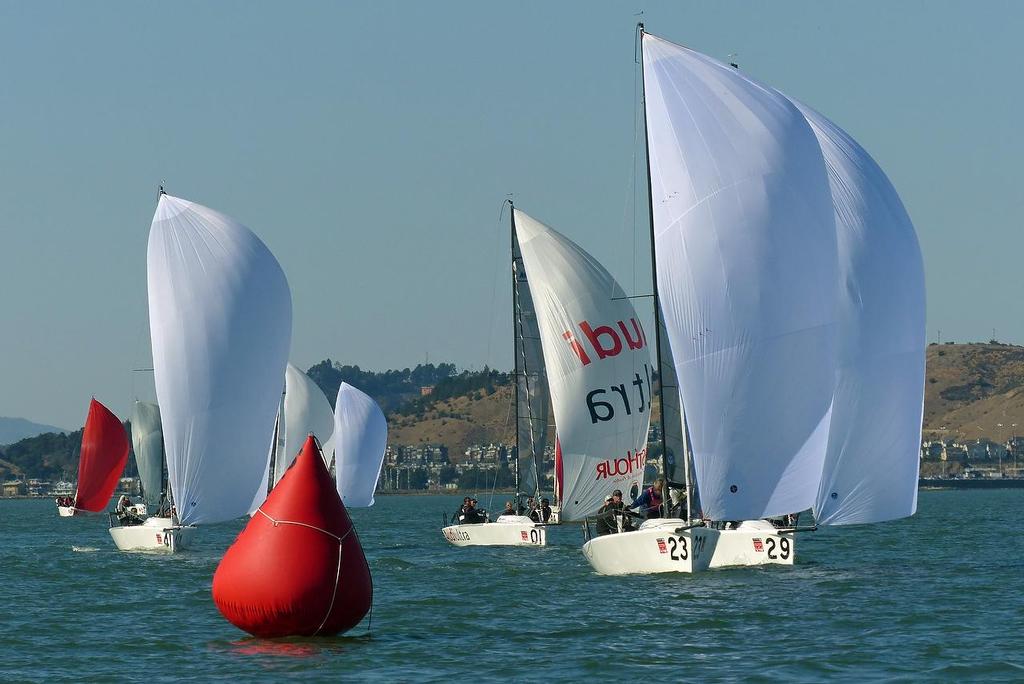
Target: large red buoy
{"x": 297, "y": 569}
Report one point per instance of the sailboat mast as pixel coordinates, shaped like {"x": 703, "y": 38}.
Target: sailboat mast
{"x": 515, "y": 347}
{"x": 666, "y": 500}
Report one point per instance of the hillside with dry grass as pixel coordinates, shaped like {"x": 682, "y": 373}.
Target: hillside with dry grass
{"x": 971, "y": 391}
{"x": 974, "y": 390}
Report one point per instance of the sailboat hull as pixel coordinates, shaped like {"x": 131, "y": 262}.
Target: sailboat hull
{"x": 661, "y": 546}
{"x": 497, "y": 534}
{"x": 155, "y": 534}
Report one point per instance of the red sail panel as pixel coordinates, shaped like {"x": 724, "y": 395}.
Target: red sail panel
{"x": 103, "y": 458}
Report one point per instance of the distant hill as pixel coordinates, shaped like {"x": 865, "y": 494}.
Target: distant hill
{"x": 48, "y": 456}
{"x": 973, "y": 391}
{"x": 15, "y": 429}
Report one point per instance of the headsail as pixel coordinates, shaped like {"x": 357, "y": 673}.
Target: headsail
{"x": 220, "y": 317}
{"x": 531, "y": 378}
{"x": 598, "y": 365}
{"x": 306, "y": 410}
{"x": 871, "y": 466}
{"x": 361, "y": 436}
{"x": 746, "y": 275}
{"x": 102, "y": 459}
{"x": 148, "y": 442}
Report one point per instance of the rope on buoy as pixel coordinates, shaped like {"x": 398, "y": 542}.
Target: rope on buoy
{"x": 341, "y": 555}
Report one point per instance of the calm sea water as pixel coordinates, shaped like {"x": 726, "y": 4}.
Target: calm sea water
{"x": 937, "y": 597}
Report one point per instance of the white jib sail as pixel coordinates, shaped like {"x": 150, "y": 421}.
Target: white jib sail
{"x": 871, "y": 466}
{"x": 746, "y": 273}
{"x": 306, "y": 410}
{"x": 360, "y": 437}
{"x": 598, "y": 365}
{"x": 148, "y": 444}
{"x": 220, "y": 316}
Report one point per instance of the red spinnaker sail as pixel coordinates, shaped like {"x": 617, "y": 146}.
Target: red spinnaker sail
{"x": 103, "y": 457}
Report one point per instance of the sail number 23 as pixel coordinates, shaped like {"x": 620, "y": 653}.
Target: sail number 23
{"x": 679, "y": 548}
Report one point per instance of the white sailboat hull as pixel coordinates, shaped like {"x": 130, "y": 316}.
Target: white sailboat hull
{"x": 66, "y": 511}
{"x": 659, "y": 547}
{"x": 515, "y": 533}
{"x": 155, "y": 534}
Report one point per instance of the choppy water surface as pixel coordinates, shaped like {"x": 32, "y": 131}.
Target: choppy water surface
{"x": 936, "y": 597}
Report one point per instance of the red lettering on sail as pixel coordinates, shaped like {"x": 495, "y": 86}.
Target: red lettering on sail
{"x": 576, "y": 347}
{"x": 605, "y": 341}
{"x": 638, "y": 343}
{"x": 594, "y": 335}
{"x": 633, "y": 462}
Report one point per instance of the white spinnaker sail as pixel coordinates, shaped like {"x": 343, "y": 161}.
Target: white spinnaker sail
{"x": 306, "y": 410}
{"x": 532, "y": 394}
{"x": 148, "y": 444}
{"x": 220, "y": 316}
{"x": 746, "y": 272}
{"x": 361, "y": 437}
{"x": 598, "y": 364}
{"x": 871, "y": 466}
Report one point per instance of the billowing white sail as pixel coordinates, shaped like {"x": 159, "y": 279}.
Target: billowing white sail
{"x": 360, "y": 437}
{"x": 306, "y": 410}
{"x": 746, "y": 274}
{"x": 531, "y": 379}
{"x": 598, "y": 365}
{"x": 220, "y": 318}
{"x": 871, "y": 466}
{"x": 148, "y": 444}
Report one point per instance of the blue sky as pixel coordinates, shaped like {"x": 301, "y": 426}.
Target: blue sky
{"x": 370, "y": 144}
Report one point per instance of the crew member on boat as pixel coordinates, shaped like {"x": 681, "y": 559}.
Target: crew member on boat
{"x": 470, "y": 514}
{"x": 609, "y": 515}
{"x": 508, "y": 509}
{"x": 544, "y": 512}
{"x": 460, "y": 515}
{"x": 649, "y": 502}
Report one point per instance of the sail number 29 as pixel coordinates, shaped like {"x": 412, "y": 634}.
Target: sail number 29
{"x": 783, "y": 548}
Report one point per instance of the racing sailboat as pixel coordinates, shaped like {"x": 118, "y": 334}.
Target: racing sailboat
{"x": 220, "y": 318}
{"x": 101, "y": 461}
{"x": 303, "y": 408}
{"x": 360, "y": 438}
{"x": 130, "y": 527}
{"x": 760, "y": 207}
{"x": 575, "y": 328}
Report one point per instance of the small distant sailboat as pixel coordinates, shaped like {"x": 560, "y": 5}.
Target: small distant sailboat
{"x": 101, "y": 461}
{"x": 302, "y": 409}
{"x": 798, "y": 394}
{"x": 131, "y": 529}
{"x": 360, "y": 438}
{"x": 220, "y": 321}
{"x": 578, "y": 338}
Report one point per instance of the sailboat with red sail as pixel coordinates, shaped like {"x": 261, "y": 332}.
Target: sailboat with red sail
{"x": 101, "y": 461}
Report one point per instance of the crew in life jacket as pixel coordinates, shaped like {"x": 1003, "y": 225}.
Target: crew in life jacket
{"x": 125, "y": 512}
{"x": 649, "y": 502}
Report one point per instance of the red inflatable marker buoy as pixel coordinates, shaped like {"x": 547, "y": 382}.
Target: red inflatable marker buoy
{"x": 297, "y": 568}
